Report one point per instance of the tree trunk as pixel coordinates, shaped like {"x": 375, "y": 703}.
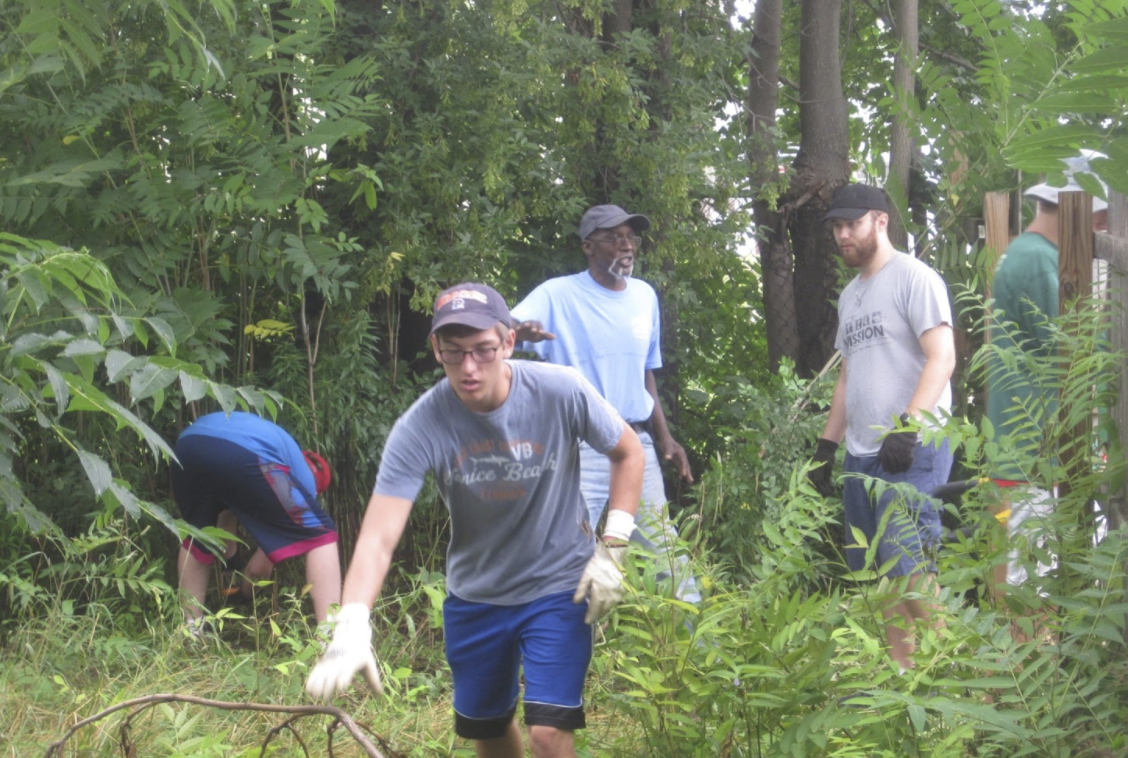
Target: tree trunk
{"x": 618, "y": 21}
{"x": 615, "y": 24}
{"x": 821, "y": 166}
{"x": 775, "y": 254}
{"x": 900, "y": 140}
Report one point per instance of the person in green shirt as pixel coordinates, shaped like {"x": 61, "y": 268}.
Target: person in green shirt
{"x": 1025, "y": 291}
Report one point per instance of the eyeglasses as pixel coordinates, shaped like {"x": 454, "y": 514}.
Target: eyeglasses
{"x": 619, "y": 240}
{"x": 478, "y": 354}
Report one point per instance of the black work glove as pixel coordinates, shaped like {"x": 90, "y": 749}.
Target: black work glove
{"x": 896, "y": 453}
{"x": 822, "y": 467}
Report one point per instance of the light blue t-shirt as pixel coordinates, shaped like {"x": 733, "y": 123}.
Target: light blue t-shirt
{"x": 610, "y": 337}
{"x": 510, "y": 479}
{"x": 265, "y": 439}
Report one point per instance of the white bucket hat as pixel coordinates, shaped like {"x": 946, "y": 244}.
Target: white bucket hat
{"x": 1078, "y": 164}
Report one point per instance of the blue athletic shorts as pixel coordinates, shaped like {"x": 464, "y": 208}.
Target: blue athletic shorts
{"x": 487, "y": 644}
{"x": 912, "y": 531}
{"x": 217, "y": 474}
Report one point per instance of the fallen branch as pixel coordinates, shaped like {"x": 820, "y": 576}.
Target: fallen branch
{"x": 359, "y": 732}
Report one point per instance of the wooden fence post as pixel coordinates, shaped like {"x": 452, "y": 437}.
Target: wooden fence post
{"x": 996, "y": 217}
{"x": 1113, "y": 248}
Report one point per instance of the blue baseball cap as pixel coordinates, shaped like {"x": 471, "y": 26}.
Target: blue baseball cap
{"x": 478, "y": 306}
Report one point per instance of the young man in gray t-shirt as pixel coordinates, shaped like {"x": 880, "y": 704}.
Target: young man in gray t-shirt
{"x": 898, "y": 354}
{"x": 526, "y": 576}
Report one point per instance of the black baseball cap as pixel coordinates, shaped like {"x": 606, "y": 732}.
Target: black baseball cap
{"x": 856, "y": 200}
{"x": 478, "y": 306}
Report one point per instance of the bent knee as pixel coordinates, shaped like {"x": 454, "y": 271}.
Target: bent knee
{"x": 549, "y": 741}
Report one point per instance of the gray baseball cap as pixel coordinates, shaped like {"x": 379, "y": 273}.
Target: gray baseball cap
{"x": 608, "y": 217}
{"x": 1078, "y": 164}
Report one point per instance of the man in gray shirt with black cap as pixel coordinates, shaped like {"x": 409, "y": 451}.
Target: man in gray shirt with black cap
{"x": 898, "y": 353}
{"x": 607, "y": 325}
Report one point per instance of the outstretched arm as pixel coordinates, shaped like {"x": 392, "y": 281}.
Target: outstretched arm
{"x": 384, "y": 522}
{"x": 350, "y": 651}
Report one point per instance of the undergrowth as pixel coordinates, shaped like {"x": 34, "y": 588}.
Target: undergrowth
{"x": 784, "y": 655}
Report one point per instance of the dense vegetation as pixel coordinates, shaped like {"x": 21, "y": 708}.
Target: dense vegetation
{"x": 236, "y": 205}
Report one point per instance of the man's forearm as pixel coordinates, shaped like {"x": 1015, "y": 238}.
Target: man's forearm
{"x": 835, "y": 429}
{"x": 384, "y": 520}
{"x": 627, "y": 464}
{"x": 933, "y": 379}
{"x": 657, "y": 415}
{"x": 939, "y": 349}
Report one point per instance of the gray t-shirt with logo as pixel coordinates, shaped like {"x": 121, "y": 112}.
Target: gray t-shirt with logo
{"x": 510, "y": 479}
{"x": 880, "y": 322}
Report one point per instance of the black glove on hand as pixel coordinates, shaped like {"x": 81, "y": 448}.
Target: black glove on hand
{"x": 896, "y": 454}
{"x": 822, "y": 467}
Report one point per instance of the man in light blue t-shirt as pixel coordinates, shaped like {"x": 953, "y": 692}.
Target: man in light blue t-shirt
{"x": 606, "y": 324}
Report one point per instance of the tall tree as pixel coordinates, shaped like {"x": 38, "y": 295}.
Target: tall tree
{"x": 776, "y": 262}
{"x": 821, "y": 167}
{"x": 901, "y": 144}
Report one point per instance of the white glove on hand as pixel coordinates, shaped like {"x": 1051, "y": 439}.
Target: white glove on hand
{"x": 349, "y": 652}
{"x": 602, "y": 580}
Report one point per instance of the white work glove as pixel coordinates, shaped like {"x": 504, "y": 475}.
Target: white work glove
{"x": 602, "y": 581}
{"x": 349, "y": 652}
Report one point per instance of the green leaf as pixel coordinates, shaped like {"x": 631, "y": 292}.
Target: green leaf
{"x": 160, "y": 514}
{"x": 164, "y": 331}
{"x": 12, "y": 400}
{"x": 86, "y": 397}
{"x": 11, "y": 492}
{"x": 1115, "y": 30}
{"x": 917, "y": 717}
{"x": 150, "y": 380}
{"x": 119, "y": 363}
{"x": 253, "y": 398}
{"x": 83, "y": 347}
{"x": 1076, "y": 102}
{"x": 193, "y": 387}
{"x": 76, "y": 174}
{"x": 97, "y": 471}
{"x": 125, "y": 498}
{"x": 1114, "y": 59}
{"x": 1098, "y": 83}
{"x": 225, "y": 395}
{"x": 58, "y": 387}
{"x": 1051, "y": 142}
{"x": 29, "y": 343}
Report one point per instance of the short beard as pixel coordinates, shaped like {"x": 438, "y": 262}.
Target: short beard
{"x": 617, "y": 271}
{"x": 863, "y": 252}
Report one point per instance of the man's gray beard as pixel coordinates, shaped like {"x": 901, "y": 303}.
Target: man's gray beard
{"x": 616, "y": 271}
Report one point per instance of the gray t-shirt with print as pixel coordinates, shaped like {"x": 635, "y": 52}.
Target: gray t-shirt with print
{"x": 880, "y": 322}
{"x": 510, "y": 479}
